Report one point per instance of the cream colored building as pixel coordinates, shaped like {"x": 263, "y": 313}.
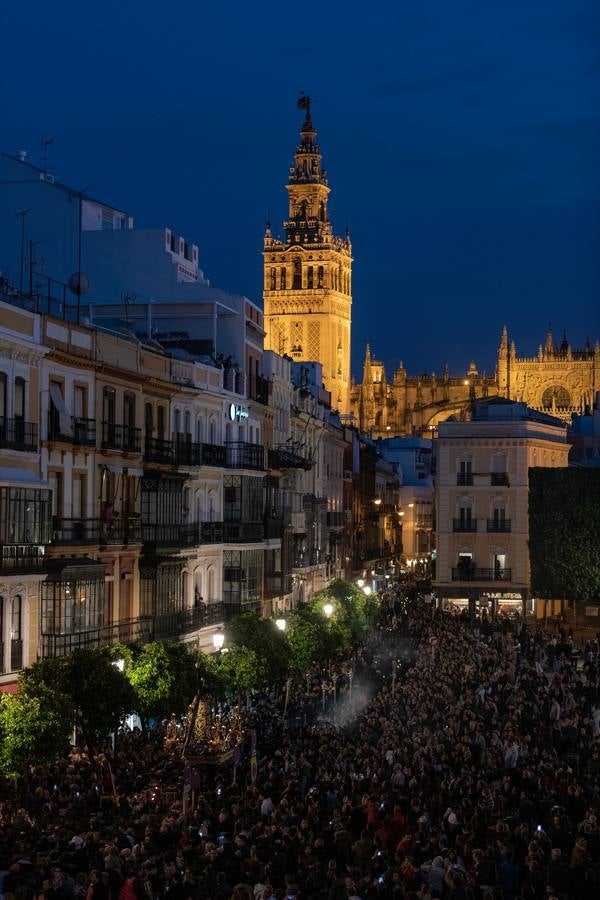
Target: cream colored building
{"x": 482, "y": 502}
{"x": 308, "y": 276}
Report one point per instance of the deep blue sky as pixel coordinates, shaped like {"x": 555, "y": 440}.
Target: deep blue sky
{"x": 462, "y": 141}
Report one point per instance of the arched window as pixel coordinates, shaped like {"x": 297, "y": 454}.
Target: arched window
{"x": 213, "y": 432}
{"x": 210, "y": 587}
{"x": 200, "y": 429}
{"x": 177, "y": 421}
{"x": 148, "y": 419}
{"x": 16, "y": 634}
{"x": 19, "y": 399}
{"x": 160, "y": 423}
{"x": 187, "y": 422}
{"x": 273, "y": 279}
{"x": 320, "y": 282}
{"x": 310, "y": 278}
{"x": 297, "y": 283}
{"x": 556, "y": 397}
{"x": 283, "y": 279}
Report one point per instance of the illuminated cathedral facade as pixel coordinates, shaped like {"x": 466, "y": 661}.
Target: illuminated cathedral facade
{"x": 558, "y": 380}
{"x": 308, "y": 275}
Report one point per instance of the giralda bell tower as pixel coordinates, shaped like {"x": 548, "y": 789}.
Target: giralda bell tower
{"x": 308, "y": 277}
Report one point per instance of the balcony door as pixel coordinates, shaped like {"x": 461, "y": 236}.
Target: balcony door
{"x": 465, "y": 516}
{"x": 465, "y": 472}
{"x": 499, "y": 565}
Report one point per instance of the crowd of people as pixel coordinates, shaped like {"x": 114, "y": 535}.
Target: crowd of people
{"x": 468, "y": 770}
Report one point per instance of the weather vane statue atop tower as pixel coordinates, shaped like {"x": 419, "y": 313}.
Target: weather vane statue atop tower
{"x": 304, "y": 103}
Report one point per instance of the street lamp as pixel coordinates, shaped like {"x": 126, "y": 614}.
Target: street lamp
{"x": 367, "y": 590}
{"x": 281, "y": 623}
{"x": 119, "y": 664}
{"x": 218, "y": 640}
{"x": 360, "y": 582}
{"x": 328, "y": 610}
{"x": 377, "y": 501}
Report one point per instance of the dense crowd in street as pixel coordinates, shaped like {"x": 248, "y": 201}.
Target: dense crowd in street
{"x": 468, "y": 770}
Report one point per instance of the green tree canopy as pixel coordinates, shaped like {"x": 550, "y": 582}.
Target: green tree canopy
{"x": 242, "y": 668}
{"x": 148, "y": 671}
{"x": 564, "y": 533}
{"x": 265, "y": 639}
{"x": 33, "y": 729}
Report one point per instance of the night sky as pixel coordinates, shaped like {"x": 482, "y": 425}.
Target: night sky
{"x": 462, "y": 141}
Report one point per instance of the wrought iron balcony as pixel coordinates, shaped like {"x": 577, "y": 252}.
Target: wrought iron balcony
{"x": 464, "y": 573}
{"x": 79, "y": 430}
{"x": 21, "y": 558}
{"x": 284, "y": 457}
{"x": 188, "y": 453}
{"x": 16, "y": 434}
{"x": 159, "y": 450}
{"x": 126, "y": 438}
{"x": 162, "y": 534}
{"x": 464, "y": 525}
{"x": 186, "y": 620}
{"x": 240, "y": 455}
{"x": 242, "y": 532}
{"x": 213, "y": 455}
{"x": 464, "y": 478}
{"x": 119, "y": 530}
{"x": 277, "y": 584}
{"x": 499, "y": 478}
{"x": 212, "y": 532}
{"x": 498, "y": 525}
{"x": 124, "y": 632}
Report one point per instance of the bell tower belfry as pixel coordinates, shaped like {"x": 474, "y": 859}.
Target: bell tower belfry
{"x": 308, "y": 276}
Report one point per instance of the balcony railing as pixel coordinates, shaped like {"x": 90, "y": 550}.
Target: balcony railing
{"x": 80, "y": 431}
{"x": 464, "y": 525}
{"x": 186, "y": 620}
{"x": 464, "y": 478}
{"x": 244, "y": 606}
{"x": 498, "y": 525}
{"x": 242, "y": 532}
{"x": 21, "y": 558}
{"x": 240, "y": 455}
{"x": 466, "y": 574}
{"x": 121, "y": 437}
{"x": 159, "y": 450}
{"x": 213, "y": 455}
{"x": 16, "y": 434}
{"x": 212, "y": 532}
{"x": 119, "y": 530}
{"x": 16, "y": 655}
{"x": 424, "y": 521}
{"x": 125, "y": 632}
{"x": 188, "y": 453}
{"x": 162, "y": 534}
{"x": 499, "y": 478}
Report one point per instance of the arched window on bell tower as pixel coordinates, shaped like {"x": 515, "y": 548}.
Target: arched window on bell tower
{"x": 297, "y": 283}
{"x": 273, "y": 279}
{"x": 322, "y": 210}
{"x": 310, "y": 278}
{"x": 320, "y": 282}
{"x": 283, "y": 279}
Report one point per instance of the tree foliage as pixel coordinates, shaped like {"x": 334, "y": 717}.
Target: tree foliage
{"x": 564, "y": 533}
{"x": 242, "y": 668}
{"x": 33, "y": 729}
{"x": 265, "y": 639}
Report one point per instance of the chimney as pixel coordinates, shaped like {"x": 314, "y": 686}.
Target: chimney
{"x": 21, "y": 155}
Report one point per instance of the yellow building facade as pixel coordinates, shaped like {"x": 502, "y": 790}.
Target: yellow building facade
{"x": 559, "y": 380}
{"x": 308, "y": 276}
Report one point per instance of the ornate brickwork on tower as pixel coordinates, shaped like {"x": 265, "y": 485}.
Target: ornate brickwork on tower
{"x": 308, "y": 276}
{"x": 558, "y": 380}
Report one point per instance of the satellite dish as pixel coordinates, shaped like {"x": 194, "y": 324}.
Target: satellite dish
{"x": 78, "y": 283}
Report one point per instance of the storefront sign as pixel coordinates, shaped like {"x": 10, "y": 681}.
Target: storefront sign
{"x": 237, "y": 412}
{"x": 501, "y": 595}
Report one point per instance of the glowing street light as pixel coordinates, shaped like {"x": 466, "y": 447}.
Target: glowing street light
{"x": 281, "y": 623}
{"x": 328, "y": 610}
{"x": 360, "y": 582}
{"x": 218, "y": 640}
{"x": 377, "y": 501}
{"x": 119, "y": 664}
{"x": 367, "y": 590}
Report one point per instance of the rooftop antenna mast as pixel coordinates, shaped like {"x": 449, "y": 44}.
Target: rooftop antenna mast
{"x": 46, "y": 142}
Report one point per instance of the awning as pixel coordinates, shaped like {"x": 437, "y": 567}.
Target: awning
{"x": 59, "y": 403}
{"x": 11, "y": 477}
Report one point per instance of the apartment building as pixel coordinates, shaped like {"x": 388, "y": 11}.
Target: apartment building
{"x": 482, "y": 503}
